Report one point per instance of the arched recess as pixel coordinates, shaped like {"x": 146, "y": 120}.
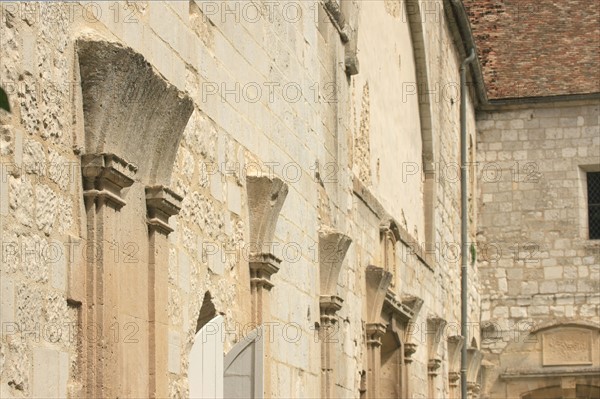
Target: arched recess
{"x": 389, "y": 235}
{"x": 414, "y": 14}
{"x": 133, "y": 120}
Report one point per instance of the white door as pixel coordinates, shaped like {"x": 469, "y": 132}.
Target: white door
{"x": 205, "y": 373}
{"x": 244, "y": 368}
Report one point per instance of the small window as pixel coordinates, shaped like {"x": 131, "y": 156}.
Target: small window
{"x": 593, "y": 194}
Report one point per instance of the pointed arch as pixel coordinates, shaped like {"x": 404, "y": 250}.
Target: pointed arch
{"x": 207, "y": 311}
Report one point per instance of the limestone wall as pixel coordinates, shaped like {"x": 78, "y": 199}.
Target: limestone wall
{"x": 538, "y": 267}
{"x": 271, "y": 95}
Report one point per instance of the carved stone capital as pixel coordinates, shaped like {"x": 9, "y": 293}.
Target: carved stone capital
{"x": 161, "y": 203}
{"x": 453, "y": 378}
{"x": 409, "y": 350}
{"x": 375, "y": 332}
{"x": 329, "y": 306}
{"x": 473, "y": 388}
{"x": 262, "y": 267}
{"x": 104, "y": 176}
{"x": 433, "y": 365}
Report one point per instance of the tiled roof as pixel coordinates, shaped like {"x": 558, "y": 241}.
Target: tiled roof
{"x": 537, "y": 48}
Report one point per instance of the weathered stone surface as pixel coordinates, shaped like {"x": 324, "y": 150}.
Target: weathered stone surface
{"x": 545, "y": 243}
{"x": 170, "y": 93}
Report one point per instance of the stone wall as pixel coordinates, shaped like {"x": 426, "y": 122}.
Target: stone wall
{"x": 273, "y": 94}
{"x": 537, "y": 266}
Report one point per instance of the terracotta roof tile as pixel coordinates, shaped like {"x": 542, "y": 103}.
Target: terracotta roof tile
{"x": 537, "y": 48}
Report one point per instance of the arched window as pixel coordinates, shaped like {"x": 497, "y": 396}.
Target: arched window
{"x": 389, "y": 254}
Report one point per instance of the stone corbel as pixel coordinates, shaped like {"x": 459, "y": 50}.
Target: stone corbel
{"x": 411, "y": 306}
{"x": 435, "y": 329}
{"x": 104, "y": 177}
{"x": 455, "y": 344}
{"x": 333, "y": 246}
{"x": 433, "y": 366}
{"x": 262, "y": 267}
{"x": 409, "y": 350}
{"x": 265, "y": 200}
{"x": 378, "y": 281}
{"x": 474, "y": 358}
{"x": 473, "y": 390}
{"x": 161, "y": 204}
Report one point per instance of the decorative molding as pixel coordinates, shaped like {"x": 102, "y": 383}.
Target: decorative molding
{"x": 405, "y": 310}
{"x": 567, "y": 347}
{"x": 262, "y": 267}
{"x": 558, "y": 323}
{"x": 329, "y": 306}
{"x": 375, "y": 332}
{"x": 365, "y": 195}
{"x": 390, "y": 225}
{"x": 515, "y": 374}
{"x": 433, "y": 366}
{"x": 162, "y": 203}
{"x": 409, "y": 350}
{"x": 473, "y": 388}
{"x": 104, "y": 176}
{"x": 453, "y": 378}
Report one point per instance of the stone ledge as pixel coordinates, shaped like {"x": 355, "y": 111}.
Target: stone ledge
{"x": 363, "y": 192}
{"x": 162, "y": 203}
{"x": 545, "y": 373}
